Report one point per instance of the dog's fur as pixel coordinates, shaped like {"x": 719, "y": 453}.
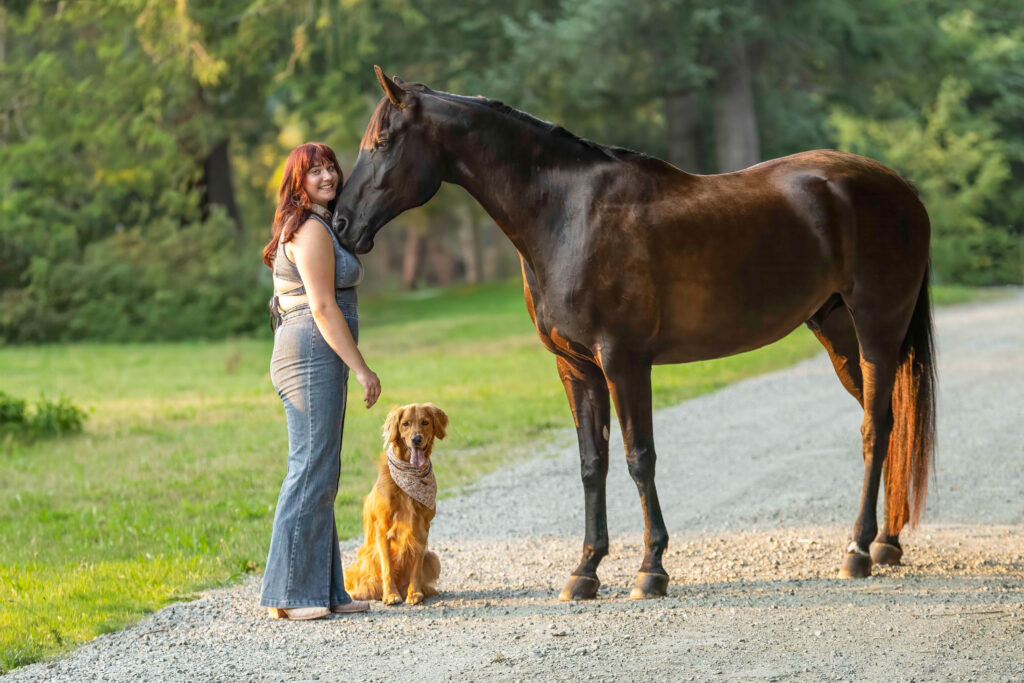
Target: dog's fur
{"x": 394, "y": 559}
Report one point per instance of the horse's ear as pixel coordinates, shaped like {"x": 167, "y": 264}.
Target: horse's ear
{"x": 390, "y": 88}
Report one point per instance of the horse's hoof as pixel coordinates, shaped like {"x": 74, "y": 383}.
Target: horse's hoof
{"x": 649, "y": 585}
{"x": 886, "y": 553}
{"x": 855, "y": 566}
{"x": 580, "y": 588}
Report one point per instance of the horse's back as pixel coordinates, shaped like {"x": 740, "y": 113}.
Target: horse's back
{"x": 735, "y": 261}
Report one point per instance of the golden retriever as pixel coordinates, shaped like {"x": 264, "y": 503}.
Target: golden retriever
{"x": 394, "y": 559}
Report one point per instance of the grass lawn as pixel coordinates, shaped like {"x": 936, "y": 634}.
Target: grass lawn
{"x": 171, "y": 487}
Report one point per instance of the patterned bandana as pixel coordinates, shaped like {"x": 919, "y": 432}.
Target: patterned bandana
{"x": 418, "y": 482}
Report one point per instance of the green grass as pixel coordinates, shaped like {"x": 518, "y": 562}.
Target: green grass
{"x": 946, "y": 295}
{"x": 171, "y": 486}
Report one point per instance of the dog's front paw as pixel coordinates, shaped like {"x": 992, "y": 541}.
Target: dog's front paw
{"x": 391, "y": 599}
{"x": 414, "y": 598}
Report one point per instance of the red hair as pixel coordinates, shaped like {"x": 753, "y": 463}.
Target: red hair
{"x": 293, "y": 204}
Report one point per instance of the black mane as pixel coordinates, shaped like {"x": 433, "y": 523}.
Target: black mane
{"x": 540, "y": 125}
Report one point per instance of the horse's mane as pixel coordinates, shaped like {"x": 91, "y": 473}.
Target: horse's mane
{"x": 547, "y": 127}
{"x": 379, "y": 121}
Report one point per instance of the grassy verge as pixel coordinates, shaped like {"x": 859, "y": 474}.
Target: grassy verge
{"x": 171, "y": 487}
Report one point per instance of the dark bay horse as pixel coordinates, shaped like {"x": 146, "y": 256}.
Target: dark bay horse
{"x": 628, "y": 262}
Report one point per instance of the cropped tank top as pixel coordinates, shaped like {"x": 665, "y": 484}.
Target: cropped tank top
{"x": 348, "y": 271}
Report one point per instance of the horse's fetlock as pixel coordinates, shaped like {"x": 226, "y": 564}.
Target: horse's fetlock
{"x": 598, "y": 551}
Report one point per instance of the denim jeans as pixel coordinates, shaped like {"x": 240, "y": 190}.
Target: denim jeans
{"x": 304, "y": 563}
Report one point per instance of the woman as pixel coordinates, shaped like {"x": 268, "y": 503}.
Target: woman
{"x": 314, "y": 306}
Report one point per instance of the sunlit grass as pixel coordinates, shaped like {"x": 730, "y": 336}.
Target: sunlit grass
{"x": 171, "y": 487}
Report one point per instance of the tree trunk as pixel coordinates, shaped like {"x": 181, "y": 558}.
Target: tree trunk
{"x": 736, "y": 141}
{"x": 412, "y": 257}
{"x": 217, "y": 188}
{"x": 469, "y": 241}
{"x": 682, "y": 128}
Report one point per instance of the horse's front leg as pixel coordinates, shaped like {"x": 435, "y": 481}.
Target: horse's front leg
{"x": 630, "y": 382}
{"x": 587, "y": 392}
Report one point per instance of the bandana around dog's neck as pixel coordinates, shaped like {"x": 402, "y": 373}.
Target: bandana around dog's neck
{"x": 418, "y": 482}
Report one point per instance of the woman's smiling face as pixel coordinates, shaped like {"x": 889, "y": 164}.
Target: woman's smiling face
{"x": 321, "y": 183}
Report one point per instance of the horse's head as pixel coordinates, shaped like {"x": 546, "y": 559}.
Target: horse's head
{"x": 399, "y": 166}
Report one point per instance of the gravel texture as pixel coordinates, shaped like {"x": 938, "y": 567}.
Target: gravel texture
{"x": 759, "y": 483}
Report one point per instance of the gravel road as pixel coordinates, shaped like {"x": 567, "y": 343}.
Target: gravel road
{"x": 759, "y": 484}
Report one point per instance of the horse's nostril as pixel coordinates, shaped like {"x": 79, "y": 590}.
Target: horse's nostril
{"x": 339, "y": 223}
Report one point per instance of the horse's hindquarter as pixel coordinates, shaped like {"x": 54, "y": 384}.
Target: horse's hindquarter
{"x": 709, "y": 266}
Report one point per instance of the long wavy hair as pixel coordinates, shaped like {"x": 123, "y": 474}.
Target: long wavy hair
{"x": 293, "y": 204}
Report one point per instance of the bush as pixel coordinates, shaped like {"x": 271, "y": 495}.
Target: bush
{"x": 12, "y": 411}
{"x": 48, "y": 418}
{"x": 959, "y": 163}
{"x": 166, "y": 282}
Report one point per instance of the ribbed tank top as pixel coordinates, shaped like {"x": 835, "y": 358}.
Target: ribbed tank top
{"x": 348, "y": 271}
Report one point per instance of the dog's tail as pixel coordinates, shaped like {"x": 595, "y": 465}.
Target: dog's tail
{"x": 430, "y": 572}
{"x": 361, "y": 582}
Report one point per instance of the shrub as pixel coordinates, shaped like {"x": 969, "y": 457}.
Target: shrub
{"x": 959, "y": 163}
{"x": 54, "y": 418}
{"x": 12, "y": 411}
{"x": 47, "y": 418}
{"x": 166, "y": 282}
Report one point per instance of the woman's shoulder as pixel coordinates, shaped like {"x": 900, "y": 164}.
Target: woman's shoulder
{"x": 312, "y": 229}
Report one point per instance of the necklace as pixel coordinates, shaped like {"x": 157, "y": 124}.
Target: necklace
{"x": 321, "y": 211}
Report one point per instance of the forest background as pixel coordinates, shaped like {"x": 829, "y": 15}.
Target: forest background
{"x": 141, "y": 141}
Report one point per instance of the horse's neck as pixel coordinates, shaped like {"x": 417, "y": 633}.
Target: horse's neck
{"x": 521, "y": 181}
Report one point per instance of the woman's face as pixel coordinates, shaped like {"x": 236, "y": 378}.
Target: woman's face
{"x": 321, "y": 183}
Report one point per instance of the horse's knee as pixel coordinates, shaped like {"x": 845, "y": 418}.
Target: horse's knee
{"x": 640, "y": 462}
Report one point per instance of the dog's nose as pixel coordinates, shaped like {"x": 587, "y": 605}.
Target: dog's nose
{"x": 417, "y": 439}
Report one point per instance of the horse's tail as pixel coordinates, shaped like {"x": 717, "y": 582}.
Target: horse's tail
{"x": 912, "y": 443}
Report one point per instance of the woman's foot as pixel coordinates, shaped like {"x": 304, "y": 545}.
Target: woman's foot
{"x": 298, "y": 613}
{"x": 351, "y": 607}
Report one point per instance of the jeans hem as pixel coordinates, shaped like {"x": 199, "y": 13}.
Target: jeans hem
{"x": 289, "y": 604}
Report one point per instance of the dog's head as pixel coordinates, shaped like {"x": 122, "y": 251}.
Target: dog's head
{"x": 410, "y": 431}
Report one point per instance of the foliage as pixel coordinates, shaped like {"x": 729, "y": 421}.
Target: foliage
{"x": 164, "y": 281}
{"x": 47, "y": 418}
{"x": 113, "y": 111}
{"x": 960, "y": 167}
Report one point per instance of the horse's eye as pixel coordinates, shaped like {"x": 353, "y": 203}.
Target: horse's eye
{"x": 382, "y": 142}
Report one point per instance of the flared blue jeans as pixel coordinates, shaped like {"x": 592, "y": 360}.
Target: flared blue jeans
{"x": 304, "y": 563}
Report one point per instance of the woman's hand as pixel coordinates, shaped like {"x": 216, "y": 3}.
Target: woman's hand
{"x": 371, "y": 385}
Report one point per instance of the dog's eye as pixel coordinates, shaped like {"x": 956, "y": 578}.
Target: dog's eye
{"x": 425, "y": 423}
{"x": 405, "y": 424}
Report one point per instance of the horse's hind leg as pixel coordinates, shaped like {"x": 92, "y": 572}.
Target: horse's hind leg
{"x": 587, "y": 391}
{"x": 834, "y": 328}
{"x": 630, "y": 383}
{"x": 881, "y": 333}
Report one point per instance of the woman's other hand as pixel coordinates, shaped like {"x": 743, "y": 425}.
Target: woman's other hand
{"x": 371, "y": 385}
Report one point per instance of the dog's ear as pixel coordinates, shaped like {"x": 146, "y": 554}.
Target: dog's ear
{"x": 440, "y": 421}
{"x": 390, "y": 431}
